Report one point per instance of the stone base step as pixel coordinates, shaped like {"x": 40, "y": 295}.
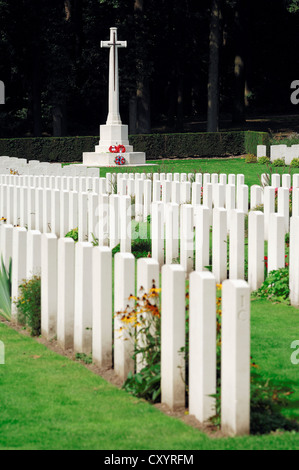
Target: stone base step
{"x": 108, "y": 159}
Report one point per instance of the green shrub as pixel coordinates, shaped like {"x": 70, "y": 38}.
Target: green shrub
{"x": 146, "y": 383}
{"x": 278, "y": 162}
{"x": 140, "y": 248}
{"x": 295, "y": 163}
{"x": 263, "y": 160}
{"x": 250, "y": 158}
{"x": 29, "y": 304}
{"x": 275, "y": 287}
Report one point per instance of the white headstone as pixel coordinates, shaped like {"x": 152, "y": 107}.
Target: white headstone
{"x": 173, "y": 324}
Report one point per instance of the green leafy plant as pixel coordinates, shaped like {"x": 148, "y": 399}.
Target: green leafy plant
{"x": 95, "y": 241}
{"x": 116, "y": 249}
{"x": 279, "y": 162}
{"x": 251, "y": 158}
{"x": 295, "y": 163}
{"x": 263, "y": 160}
{"x": 216, "y": 419}
{"x": 275, "y": 287}
{"x": 146, "y": 383}
{"x": 29, "y": 304}
{"x": 141, "y": 248}
{"x": 5, "y": 290}
{"x": 86, "y": 358}
{"x": 73, "y": 234}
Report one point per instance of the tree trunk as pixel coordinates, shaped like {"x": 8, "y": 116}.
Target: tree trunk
{"x": 170, "y": 93}
{"x": 238, "y": 115}
{"x": 36, "y": 71}
{"x": 213, "y": 83}
{"x": 180, "y": 103}
{"x": 143, "y": 124}
{"x": 133, "y": 114}
{"x": 59, "y": 120}
{"x": 143, "y": 114}
{"x": 36, "y": 97}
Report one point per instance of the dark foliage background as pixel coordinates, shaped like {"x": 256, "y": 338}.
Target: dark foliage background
{"x": 56, "y": 74}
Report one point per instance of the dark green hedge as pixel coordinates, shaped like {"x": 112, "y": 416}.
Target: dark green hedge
{"x": 48, "y": 149}
{"x": 252, "y": 139}
{"x": 190, "y": 145}
{"x": 70, "y": 149}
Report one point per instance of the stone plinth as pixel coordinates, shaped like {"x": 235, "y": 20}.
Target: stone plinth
{"x": 113, "y": 135}
{"x": 108, "y": 158}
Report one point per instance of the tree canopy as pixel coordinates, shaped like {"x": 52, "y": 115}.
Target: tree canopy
{"x": 56, "y": 74}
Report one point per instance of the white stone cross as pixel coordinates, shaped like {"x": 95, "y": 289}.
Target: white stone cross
{"x": 113, "y": 112}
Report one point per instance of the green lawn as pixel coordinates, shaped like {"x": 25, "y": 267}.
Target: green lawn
{"x": 207, "y": 165}
{"x": 274, "y": 327}
{"x": 50, "y": 402}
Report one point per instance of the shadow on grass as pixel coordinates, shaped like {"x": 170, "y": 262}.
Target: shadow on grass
{"x": 267, "y": 401}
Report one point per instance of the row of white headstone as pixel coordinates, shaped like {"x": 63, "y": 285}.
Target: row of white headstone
{"x": 279, "y": 151}
{"x": 146, "y": 191}
{"x": 108, "y": 219}
{"x": 174, "y": 227}
{"x": 76, "y": 305}
{"x": 224, "y": 263}
{"x": 20, "y": 166}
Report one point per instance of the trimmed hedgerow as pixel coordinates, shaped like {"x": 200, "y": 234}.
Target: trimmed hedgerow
{"x": 253, "y": 139}
{"x": 205, "y": 144}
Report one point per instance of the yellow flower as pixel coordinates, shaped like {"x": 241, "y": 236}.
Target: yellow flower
{"x": 154, "y": 290}
{"x": 133, "y": 297}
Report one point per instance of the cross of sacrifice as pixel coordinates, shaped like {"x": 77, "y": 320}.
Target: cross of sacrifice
{"x": 113, "y": 112}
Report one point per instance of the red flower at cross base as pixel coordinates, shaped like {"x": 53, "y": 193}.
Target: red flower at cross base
{"x": 117, "y": 149}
